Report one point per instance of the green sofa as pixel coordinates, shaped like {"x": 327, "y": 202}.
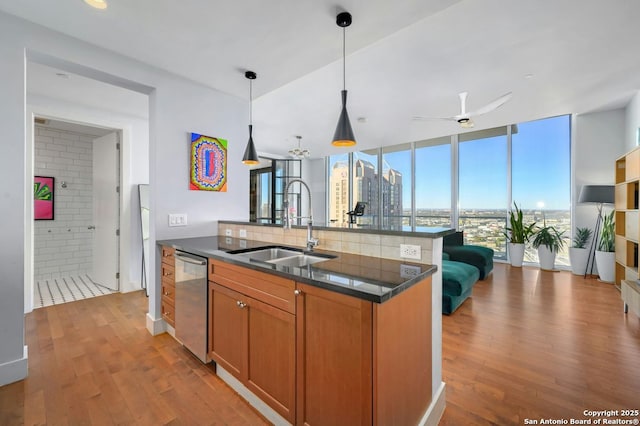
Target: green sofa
{"x": 478, "y": 256}
{"x": 458, "y": 279}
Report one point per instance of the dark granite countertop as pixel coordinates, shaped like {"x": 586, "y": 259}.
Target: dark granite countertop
{"x": 429, "y": 232}
{"x": 369, "y": 278}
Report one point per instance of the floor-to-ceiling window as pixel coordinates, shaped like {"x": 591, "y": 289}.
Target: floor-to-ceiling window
{"x": 433, "y": 183}
{"x": 365, "y": 185}
{"x": 467, "y": 181}
{"x": 482, "y": 188}
{"x": 396, "y": 187}
{"x": 541, "y": 176}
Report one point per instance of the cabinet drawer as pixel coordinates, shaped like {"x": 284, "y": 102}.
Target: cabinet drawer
{"x": 168, "y": 311}
{"x": 271, "y": 289}
{"x": 168, "y": 255}
{"x": 168, "y": 273}
{"x": 168, "y": 291}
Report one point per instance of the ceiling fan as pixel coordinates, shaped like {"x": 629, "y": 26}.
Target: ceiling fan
{"x": 464, "y": 118}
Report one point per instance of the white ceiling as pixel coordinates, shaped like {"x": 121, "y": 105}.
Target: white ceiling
{"x": 406, "y": 58}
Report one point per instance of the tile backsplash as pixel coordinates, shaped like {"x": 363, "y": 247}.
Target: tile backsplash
{"x": 365, "y": 244}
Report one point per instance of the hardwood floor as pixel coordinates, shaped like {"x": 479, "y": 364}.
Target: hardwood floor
{"x": 528, "y": 344}
{"x": 533, "y": 344}
{"x": 94, "y": 362}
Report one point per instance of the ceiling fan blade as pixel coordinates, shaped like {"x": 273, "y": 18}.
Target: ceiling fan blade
{"x": 492, "y": 105}
{"x": 420, "y": 118}
{"x": 463, "y": 103}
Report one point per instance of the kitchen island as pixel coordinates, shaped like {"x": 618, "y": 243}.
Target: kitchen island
{"x": 347, "y": 340}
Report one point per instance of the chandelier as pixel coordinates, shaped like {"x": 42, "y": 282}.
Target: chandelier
{"x": 298, "y": 153}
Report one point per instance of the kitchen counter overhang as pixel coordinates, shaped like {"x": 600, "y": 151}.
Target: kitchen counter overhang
{"x": 364, "y": 277}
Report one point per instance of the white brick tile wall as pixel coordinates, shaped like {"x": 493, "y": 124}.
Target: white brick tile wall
{"x": 63, "y": 246}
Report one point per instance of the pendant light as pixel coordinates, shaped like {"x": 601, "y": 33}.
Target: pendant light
{"x": 344, "y": 133}
{"x": 299, "y": 153}
{"x": 250, "y": 155}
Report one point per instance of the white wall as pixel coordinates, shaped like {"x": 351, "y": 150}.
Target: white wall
{"x": 598, "y": 139}
{"x": 177, "y": 107}
{"x": 632, "y": 123}
{"x": 63, "y": 246}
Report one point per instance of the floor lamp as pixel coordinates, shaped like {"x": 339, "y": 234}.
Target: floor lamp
{"x": 600, "y": 195}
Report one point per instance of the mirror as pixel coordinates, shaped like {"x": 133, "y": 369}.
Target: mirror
{"x": 143, "y": 193}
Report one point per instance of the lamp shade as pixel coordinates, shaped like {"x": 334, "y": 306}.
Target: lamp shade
{"x": 603, "y": 194}
{"x": 344, "y": 133}
{"x": 250, "y": 155}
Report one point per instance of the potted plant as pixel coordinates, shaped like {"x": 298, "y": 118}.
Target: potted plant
{"x": 548, "y": 241}
{"x": 578, "y": 252}
{"x": 517, "y": 234}
{"x": 605, "y": 254}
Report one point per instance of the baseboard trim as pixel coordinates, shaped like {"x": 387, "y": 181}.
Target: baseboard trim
{"x": 436, "y": 409}
{"x": 16, "y": 370}
{"x": 268, "y": 412}
{"x": 155, "y": 326}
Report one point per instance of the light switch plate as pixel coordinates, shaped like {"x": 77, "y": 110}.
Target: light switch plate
{"x": 228, "y": 232}
{"x": 178, "y": 219}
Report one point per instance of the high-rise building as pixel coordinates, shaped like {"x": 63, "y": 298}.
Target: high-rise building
{"x": 365, "y": 189}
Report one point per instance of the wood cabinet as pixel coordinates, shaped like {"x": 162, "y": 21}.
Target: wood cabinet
{"x": 318, "y": 357}
{"x": 334, "y": 350}
{"x": 626, "y": 216}
{"x": 363, "y": 363}
{"x": 167, "y": 270}
{"x": 250, "y": 337}
{"x": 630, "y": 292}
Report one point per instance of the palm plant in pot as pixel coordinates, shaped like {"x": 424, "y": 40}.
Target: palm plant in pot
{"x": 605, "y": 254}
{"x": 548, "y": 241}
{"x": 578, "y": 252}
{"x": 517, "y": 234}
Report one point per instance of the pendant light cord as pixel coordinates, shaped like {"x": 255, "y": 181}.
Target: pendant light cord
{"x": 250, "y": 101}
{"x": 344, "y": 61}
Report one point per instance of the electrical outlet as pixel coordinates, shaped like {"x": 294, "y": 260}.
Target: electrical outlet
{"x": 228, "y": 232}
{"x": 229, "y": 240}
{"x": 243, "y": 243}
{"x": 176, "y": 219}
{"x": 409, "y": 251}
{"x": 243, "y": 233}
{"x": 409, "y": 271}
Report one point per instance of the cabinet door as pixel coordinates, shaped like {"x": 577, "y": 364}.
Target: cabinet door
{"x": 271, "y": 372}
{"x": 228, "y": 329}
{"x": 334, "y": 358}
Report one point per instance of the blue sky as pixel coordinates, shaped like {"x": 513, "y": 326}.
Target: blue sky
{"x": 540, "y": 170}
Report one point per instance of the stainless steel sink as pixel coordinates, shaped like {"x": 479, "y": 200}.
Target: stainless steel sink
{"x": 298, "y": 260}
{"x": 283, "y": 256}
{"x": 269, "y": 253}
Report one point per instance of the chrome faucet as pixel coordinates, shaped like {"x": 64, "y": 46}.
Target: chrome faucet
{"x": 286, "y": 219}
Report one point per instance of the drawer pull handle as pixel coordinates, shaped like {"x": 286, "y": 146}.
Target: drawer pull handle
{"x": 166, "y": 274}
{"x": 297, "y": 292}
{"x": 241, "y": 304}
{"x": 166, "y": 293}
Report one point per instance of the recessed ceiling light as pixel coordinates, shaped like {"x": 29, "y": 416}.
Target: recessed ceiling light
{"x": 528, "y": 76}
{"x": 62, "y": 75}
{"x": 362, "y": 119}
{"x": 98, "y": 4}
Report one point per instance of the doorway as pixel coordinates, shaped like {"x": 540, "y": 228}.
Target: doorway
{"x": 76, "y": 247}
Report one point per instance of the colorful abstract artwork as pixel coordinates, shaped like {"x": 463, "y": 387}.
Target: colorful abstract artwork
{"x": 208, "y": 163}
{"x": 43, "y": 187}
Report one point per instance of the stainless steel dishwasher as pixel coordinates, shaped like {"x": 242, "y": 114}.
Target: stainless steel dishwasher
{"x": 191, "y": 303}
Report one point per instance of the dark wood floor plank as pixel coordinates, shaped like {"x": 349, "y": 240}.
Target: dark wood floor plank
{"x": 534, "y": 344}
{"x": 528, "y": 344}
